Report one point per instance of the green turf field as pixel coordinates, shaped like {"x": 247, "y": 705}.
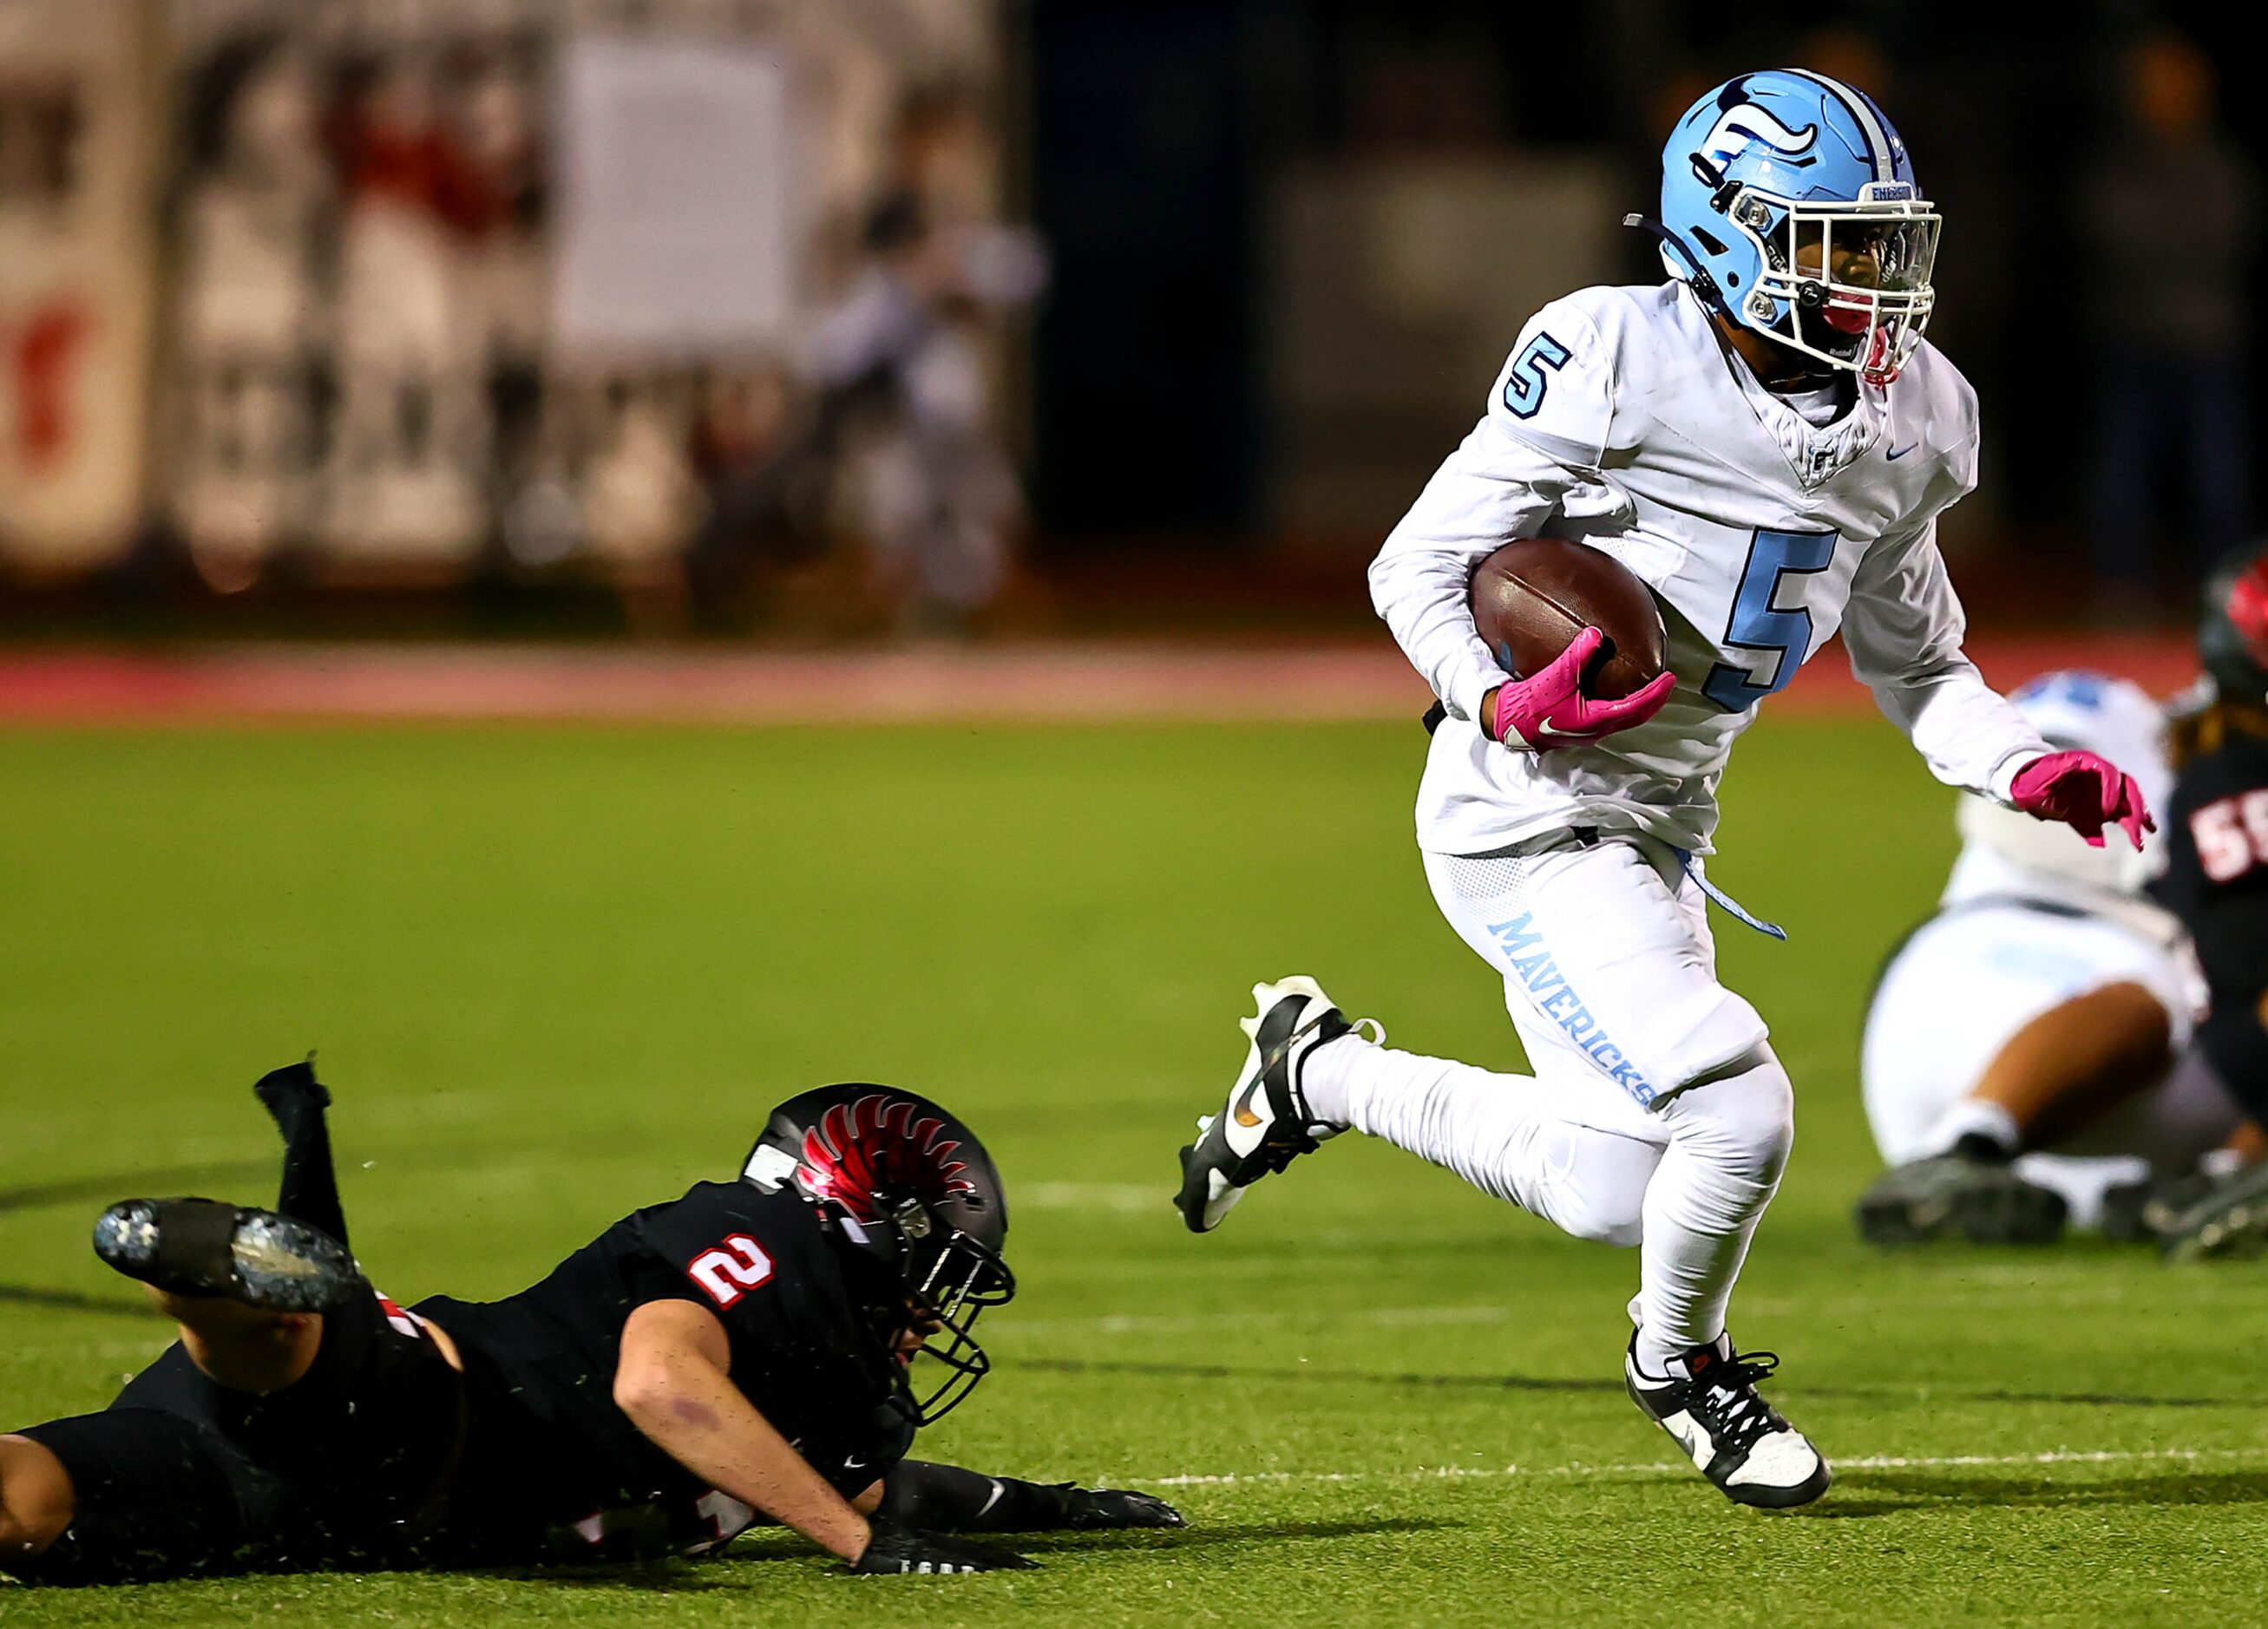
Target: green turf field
{"x": 555, "y": 975}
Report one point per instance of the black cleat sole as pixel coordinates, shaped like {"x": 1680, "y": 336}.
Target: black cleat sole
{"x": 1803, "y": 1492}
{"x": 205, "y": 1247}
{"x": 2228, "y": 1224}
{"x": 1196, "y": 1189}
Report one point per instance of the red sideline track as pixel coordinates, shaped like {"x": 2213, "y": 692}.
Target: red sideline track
{"x": 1036, "y": 682}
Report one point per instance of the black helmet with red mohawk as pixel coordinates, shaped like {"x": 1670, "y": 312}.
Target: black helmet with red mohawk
{"x": 2233, "y": 633}
{"x": 908, "y": 1187}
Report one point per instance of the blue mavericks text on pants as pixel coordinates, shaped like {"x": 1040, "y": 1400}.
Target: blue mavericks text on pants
{"x": 1534, "y": 967}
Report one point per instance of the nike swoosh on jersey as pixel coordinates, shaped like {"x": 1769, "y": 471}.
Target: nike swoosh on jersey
{"x": 1895, "y": 453}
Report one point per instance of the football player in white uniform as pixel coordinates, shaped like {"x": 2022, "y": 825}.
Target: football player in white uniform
{"x": 1767, "y": 440}
{"x": 2026, "y": 1050}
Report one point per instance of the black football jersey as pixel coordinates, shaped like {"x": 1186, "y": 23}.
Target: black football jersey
{"x": 546, "y": 1442}
{"x": 2216, "y": 881}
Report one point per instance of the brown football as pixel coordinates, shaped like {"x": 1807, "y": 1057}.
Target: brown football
{"x": 1530, "y": 598}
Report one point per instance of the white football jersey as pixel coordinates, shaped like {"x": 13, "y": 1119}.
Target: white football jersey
{"x": 1622, "y": 420}
{"x": 2004, "y": 852}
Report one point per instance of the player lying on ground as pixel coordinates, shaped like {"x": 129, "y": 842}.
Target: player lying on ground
{"x": 2216, "y": 881}
{"x": 1767, "y": 440}
{"x": 2027, "y": 1054}
{"x": 745, "y": 1352}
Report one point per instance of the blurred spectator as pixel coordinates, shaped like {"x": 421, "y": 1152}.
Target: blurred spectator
{"x": 255, "y": 205}
{"x": 766, "y": 476}
{"x": 900, "y": 360}
{"x": 2168, "y": 214}
{"x": 412, "y": 431}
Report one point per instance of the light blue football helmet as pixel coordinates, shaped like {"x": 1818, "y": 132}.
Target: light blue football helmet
{"x": 1789, "y": 203}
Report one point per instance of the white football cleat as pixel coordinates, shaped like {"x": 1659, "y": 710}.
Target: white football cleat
{"x": 1733, "y": 1437}
{"x": 1265, "y": 1124}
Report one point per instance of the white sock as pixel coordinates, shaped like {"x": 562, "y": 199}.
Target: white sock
{"x": 1678, "y": 1367}
{"x": 1496, "y": 1130}
{"x": 1969, "y": 1117}
{"x": 1729, "y": 1142}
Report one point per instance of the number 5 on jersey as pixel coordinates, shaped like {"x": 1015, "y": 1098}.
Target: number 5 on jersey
{"x": 1758, "y": 623}
{"x": 1525, "y": 384}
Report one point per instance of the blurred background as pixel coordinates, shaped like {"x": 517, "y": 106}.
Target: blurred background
{"x": 937, "y": 368}
{"x": 860, "y": 321}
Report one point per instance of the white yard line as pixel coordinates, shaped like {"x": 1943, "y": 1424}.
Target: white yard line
{"x": 1124, "y": 1197}
{"x": 1163, "y": 1323}
{"x": 1878, "y": 1462}
{"x": 1497, "y": 1312}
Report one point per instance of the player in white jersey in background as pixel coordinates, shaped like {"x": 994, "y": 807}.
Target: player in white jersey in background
{"x": 1767, "y": 440}
{"x": 2026, "y": 1050}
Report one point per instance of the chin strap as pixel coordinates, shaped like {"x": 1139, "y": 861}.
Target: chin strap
{"x": 1697, "y": 277}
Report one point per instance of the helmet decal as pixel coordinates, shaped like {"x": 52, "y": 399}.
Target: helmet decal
{"x": 1884, "y": 150}
{"x": 903, "y": 1187}
{"x": 858, "y": 1148}
{"x": 1744, "y": 122}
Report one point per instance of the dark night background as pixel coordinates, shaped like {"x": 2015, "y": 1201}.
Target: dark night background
{"x": 1157, "y": 129}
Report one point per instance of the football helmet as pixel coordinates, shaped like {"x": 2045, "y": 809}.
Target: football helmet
{"x": 2232, "y": 632}
{"x": 908, "y": 1189}
{"x": 1789, "y": 203}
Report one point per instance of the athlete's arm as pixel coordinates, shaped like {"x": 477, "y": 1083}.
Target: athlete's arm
{"x": 674, "y": 1381}
{"x": 1490, "y": 490}
{"x": 36, "y": 1499}
{"x": 1535, "y": 453}
{"x": 1904, "y": 627}
{"x": 945, "y": 1498}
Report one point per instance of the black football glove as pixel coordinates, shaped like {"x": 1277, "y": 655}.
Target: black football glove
{"x": 902, "y": 1550}
{"x": 1095, "y": 1510}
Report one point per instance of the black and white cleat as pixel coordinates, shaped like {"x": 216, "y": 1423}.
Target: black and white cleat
{"x": 2228, "y": 1221}
{"x": 1265, "y": 1124}
{"x": 206, "y": 1247}
{"x": 1732, "y": 1436}
{"x": 1959, "y": 1196}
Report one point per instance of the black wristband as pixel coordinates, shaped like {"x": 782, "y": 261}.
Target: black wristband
{"x": 945, "y": 1498}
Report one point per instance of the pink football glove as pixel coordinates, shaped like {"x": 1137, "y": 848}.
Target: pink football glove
{"x": 2086, "y": 793}
{"x": 1550, "y": 709}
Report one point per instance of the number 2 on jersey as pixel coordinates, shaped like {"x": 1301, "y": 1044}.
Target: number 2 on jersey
{"x": 1524, "y": 386}
{"x": 1756, "y": 624}
{"x": 731, "y": 1270}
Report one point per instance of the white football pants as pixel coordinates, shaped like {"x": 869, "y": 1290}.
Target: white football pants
{"x": 1961, "y": 987}
{"x": 1657, "y": 1116}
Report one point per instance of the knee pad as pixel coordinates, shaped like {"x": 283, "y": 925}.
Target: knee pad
{"x": 1709, "y": 1033}
{"x": 1603, "y": 1197}
{"x": 1740, "y": 1119}
{"x": 1621, "y": 1227}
